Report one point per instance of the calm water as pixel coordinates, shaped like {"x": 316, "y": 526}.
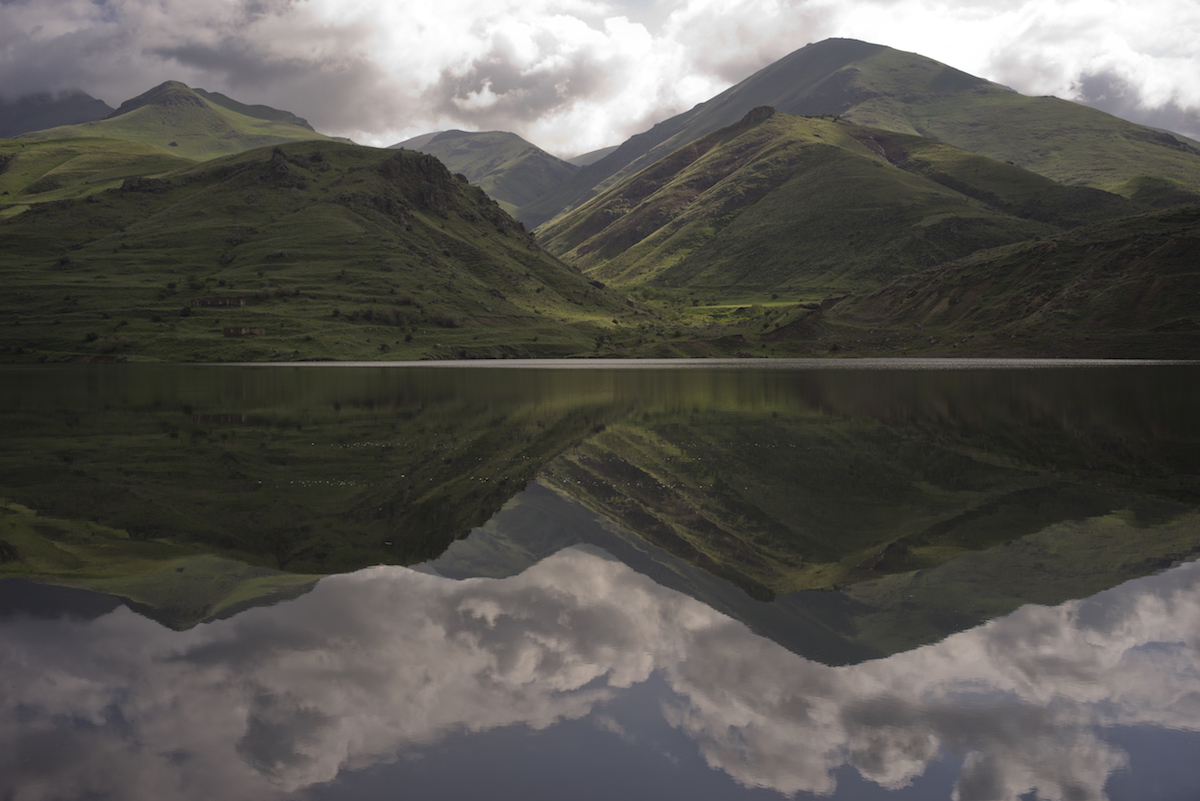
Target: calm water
{"x": 914, "y": 581}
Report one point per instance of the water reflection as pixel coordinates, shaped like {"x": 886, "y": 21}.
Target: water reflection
{"x": 372, "y": 665}
{"x": 778, "y": 580}
{"x": 775, "y": 480}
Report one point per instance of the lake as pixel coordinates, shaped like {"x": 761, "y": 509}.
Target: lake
{"x": 591, "y": 580}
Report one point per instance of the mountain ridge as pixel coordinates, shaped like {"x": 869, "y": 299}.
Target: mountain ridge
{"x": 861, "y": 82}
{"x": 507, "y": 167}
{"x": 173, "y": 115}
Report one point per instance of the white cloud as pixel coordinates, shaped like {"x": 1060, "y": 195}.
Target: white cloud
{"x": 571, "y": 75}
{"x": 370, "y": 664}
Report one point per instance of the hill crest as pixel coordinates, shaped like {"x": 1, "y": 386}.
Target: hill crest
{"x": 883, "y": 88}
{"x": 191, "y": 123}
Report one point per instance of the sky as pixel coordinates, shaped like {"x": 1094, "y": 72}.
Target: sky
{"x": 576, "y": 75}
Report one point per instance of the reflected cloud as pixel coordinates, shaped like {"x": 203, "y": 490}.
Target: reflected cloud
{"x": 373, "y": 663}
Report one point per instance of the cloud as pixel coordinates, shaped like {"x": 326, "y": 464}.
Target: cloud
{"x": 1110, "y": 92}
{"x": 375, "y": 663}
{"x": 735, "y": 39}
{"x": 571, "y": 75}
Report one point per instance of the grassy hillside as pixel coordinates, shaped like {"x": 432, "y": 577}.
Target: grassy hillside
{"x": 504, "y": 165}
{"x": 1065, "y": 141}
{"x": 61, "y": 169}
{"x": 1136, "y": 278}
{"x": 175, "y": 117}
{"x": 787, "y": 203}
{"x": 337, "y": 251}
{"x": 257, "y": 110}
{"x": 907, "y": 93}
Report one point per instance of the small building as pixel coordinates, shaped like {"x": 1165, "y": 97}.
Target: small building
{"x": 244, "y": 331}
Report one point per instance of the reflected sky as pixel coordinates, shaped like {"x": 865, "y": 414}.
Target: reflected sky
{"x": 382, "y": 676}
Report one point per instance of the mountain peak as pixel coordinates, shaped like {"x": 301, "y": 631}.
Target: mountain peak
{"x": 169, "y": 93}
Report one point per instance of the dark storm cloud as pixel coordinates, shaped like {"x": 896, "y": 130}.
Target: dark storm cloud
{"x": 1110, "y": 92}
{"x": 258, "y": 51}
{"x": 334, "y": 93}
{"x": 511, "y": 96}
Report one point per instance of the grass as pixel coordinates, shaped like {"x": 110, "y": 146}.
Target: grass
{"x": 1119, "y": 287}
{"x": 509, "y": 169}
{"x": 39, "y": 172}
{"x": 909, "y": 94}
{"x": 338, "y": 251}
{"x": 781, "y": 203}
{"x": 1064, "y": 141}
{"x": 176, "y": 119}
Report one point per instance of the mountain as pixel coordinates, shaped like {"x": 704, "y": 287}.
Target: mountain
{"x": 335, "y": 250}
{"x": 194, "y": 124}
{"x": 1123, "y": 287}
{"x": 257, "y": 111}
{"x": 502, "y": 164}
{"x": 907, "y": 93}
{"x": 781, "y": 202}
{"x": 44, "y": 110}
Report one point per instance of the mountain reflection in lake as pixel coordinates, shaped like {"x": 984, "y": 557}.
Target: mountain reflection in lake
{"x": 681, "y": 583}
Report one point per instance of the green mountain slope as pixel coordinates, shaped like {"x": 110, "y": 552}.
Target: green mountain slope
{"x": 40, "y": 111}
{"x": 174, "y": 116}
{"x": 256, "y": 111}
{"x": 907, "y": 93}
{"x": 502, "y": 164}
{"x": 780, "y": 202}
{"x": 58, "y": 169}
{"x": 1137, "y": 279}
{"x": 334, "y": 250}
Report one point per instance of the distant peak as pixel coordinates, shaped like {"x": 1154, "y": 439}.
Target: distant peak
{"x": 170, "y": 93}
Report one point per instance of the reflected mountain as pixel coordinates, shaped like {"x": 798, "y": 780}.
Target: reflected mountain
{"x": 201, "y": 491}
